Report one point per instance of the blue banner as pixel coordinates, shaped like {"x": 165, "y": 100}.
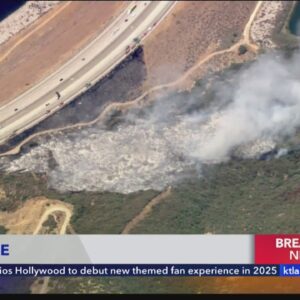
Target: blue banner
{"x": 289, "y": 270}
{"x": 138, "y": 270}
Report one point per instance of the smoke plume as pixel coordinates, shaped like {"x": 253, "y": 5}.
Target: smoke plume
{"x": 171, "y": 141}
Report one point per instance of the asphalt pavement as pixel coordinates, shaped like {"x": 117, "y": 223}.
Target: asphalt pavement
{"x": 87, "y": 67}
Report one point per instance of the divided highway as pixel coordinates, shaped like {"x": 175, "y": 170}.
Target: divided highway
{"x": 86, "y": 68}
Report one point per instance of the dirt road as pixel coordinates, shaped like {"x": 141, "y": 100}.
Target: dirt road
{"x": 43, "y": 289}
{"x": 247, "y": 30}
{"x": 52, "y": 210}
{"x": 87, "y": 67}
{"x": 146, "y": 211}
{"x": 246, "y": 40}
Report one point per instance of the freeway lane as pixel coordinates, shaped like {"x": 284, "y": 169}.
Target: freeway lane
{"x": 88, "y": 66}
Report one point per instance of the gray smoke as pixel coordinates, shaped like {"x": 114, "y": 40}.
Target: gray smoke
{"x": 164, "y": 146}
{"x": 265, "y": 106}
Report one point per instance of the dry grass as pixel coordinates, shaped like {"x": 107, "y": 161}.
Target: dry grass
{"x": 146, "y": 211}
{"x": 25, "y": 219}
{"x": 189, "y": 33}
{"x": 54, "y": 43}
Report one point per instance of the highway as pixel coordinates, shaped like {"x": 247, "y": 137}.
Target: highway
{"x": 87, "y": 67}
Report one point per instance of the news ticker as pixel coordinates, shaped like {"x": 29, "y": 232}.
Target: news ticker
{"x": 153, "y": 270}
{"x": 150, "y": 255}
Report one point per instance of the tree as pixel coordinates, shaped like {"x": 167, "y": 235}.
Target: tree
{"x": 242, "y": 49}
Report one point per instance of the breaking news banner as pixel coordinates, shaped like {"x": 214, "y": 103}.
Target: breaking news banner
{"x": 150, "y": 255}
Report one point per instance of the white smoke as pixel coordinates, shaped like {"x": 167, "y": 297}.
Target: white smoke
{"x": 162, "y": 148}
{"x": 265, "y": 106}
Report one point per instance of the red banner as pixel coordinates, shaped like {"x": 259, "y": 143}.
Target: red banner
{"x": 277, "y": 249}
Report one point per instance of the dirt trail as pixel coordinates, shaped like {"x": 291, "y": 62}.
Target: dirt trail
{"x": 43, "y": 289}
{"x": 26, "y": 219}
{"x": 146, "y": 211}
{"x": 51, "y": 210}
{"x": 245, "y": 40}
{"x": 247, "y": 30}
